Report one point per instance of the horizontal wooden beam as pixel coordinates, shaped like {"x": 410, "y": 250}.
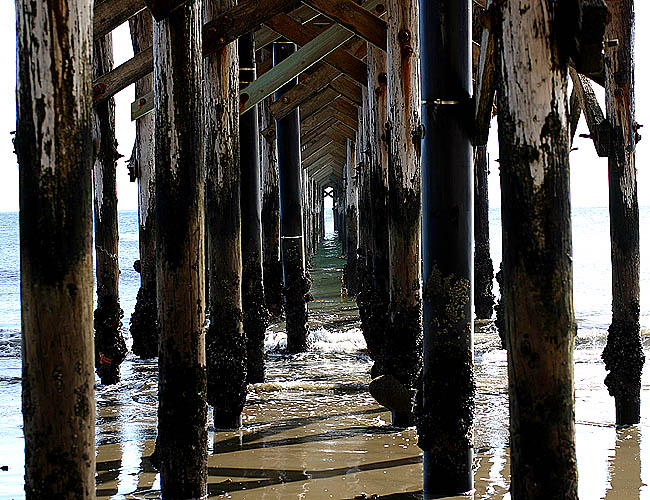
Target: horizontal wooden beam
{"x": 599, "y": 127}
{"x": 241, "y": 19}
{"x": 356, "y": 18}
{"x": 347, "y": 88}
{"x": 109, "y": 84}
{"x": 292, "y": 66}
{"x": 339, "y": 58}
{"x": 316, "y": 149}
{"x": 109, "y": 14}
{"x": 309, "y": 135}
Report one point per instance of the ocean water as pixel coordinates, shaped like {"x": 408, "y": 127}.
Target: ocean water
{"x": 317, "y": 405}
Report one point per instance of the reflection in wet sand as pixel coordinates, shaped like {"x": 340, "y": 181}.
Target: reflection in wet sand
{"x": 312, "y": 431}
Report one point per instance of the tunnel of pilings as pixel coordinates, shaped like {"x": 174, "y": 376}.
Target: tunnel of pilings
{"x": 248, "y": 117}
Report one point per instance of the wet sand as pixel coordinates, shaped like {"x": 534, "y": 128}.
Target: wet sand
{"x": 312, "y": 431}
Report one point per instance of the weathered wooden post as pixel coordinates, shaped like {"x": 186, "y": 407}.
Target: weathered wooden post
{"x": 270, "y": 212}
{"x": 351, "y": 218}
{"x": 256, "y": 316}
{"x": 623, "y": 354}
{"x": 144, "y": 324}
{"x": 226, "y": 344}
{"x": 377, "y": 117}
{"x": 110, "y": 348}
{"x": 403, "y": 353}
{"x": 483, "y": 268}
{"x": 537, "y": 268}
{"x": 296, "y": 284}
{"x": 182, "y": 411}
{"x": 445, "y": 420}
{"x": 55, "y": 153}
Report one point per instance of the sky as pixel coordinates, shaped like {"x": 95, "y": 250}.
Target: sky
{"x": 588, "y": 172}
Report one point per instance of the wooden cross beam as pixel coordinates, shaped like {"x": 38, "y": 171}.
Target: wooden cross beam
{"x": 317, "y": 150}
{"x": 265, "y": 35}
{"x": 124, "y": 75}
{"x": 599, "y": 128}
{"x": 355, "y": 18}
{"x": 292, "y": 66}
{"x": 306, "y": 89}
{"x": 349, "y": 89}
{"x": 109, "y": 14}
{"x": 339, "y": 58}
{"x": 335, "y": 151}
{"x": 241, "y": 19}
{"x": 308, "y": 149}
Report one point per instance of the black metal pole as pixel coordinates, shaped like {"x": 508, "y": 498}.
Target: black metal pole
{"x": 291, "y": 231}
{"x": 256, "y": 316}
{"x": 446, "y": 414}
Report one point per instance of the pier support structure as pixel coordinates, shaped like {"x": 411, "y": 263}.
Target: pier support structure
{"x": 483, "y": 267}
{"x": 403, "y": 358}
{"x": 144, "y": 321}
{"x": 226, "y": 344}
{"x": 256, "y": 316}
{"x": 110, "y": 348}
{"x": 446, "y": 415}
{"x": 296, "y": 283}
{"x": 182, "y": 411}
{"x": 55, "y": 153}
{"x": 351, "y": 218}
{"x": 623, "y": 354}
{"x": 537, "y": 263}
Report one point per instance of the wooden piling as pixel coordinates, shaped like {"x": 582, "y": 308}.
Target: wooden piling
{"x": 537, "y": 266}
{"x": 446, "y": 415}
{"x": 350, "y": 275}
{"x": 226, "y": 345}
{"x": 181, "y": 446}
{"x": 483, "y": 268}
{"x": 270, "y": 212}
{"x": 144, "y": 321}
{"x": 110, "y": 348}
{"x": 403, "y": 358}
{"x": 296, "y": 283}
{"x": 378, "y": 172}
{"x": 256, "y": 316}
{"x": 623, "y": 354}
{"x": 55, "y": 151}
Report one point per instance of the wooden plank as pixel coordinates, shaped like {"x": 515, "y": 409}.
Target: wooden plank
{"x": 141, "y": 106}
{"x": 485, "y": 90}
{"x": 339, "y": 58}
{"x": 317, "y": 149}
{"x": 575, "y": 110}
{"x": 308, "y": 135}
{"x": 160, "y": 9}
{"x": 349, "y": 89}
{"x": 331, "y": 156}
{"x": 343, "y": 105}
{"x": 324, "y": 114}
{"x": 354, "y": 17}
{"x": 241, "y": 19}
{"x": 265, "y": 35}
{"x": 306, "y": 89}
{"x": 109, "y": 14}
{"x": 598, "y": 126}
{"x": 317, "y": 102}
{"x": 124, "y": 75}
{"x": 292, "y": 66}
